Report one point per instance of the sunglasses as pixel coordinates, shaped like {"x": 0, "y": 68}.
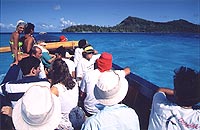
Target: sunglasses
{"x": 90, "y": 53}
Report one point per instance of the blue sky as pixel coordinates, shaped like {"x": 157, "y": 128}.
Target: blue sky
{"x": 54, "y": 15}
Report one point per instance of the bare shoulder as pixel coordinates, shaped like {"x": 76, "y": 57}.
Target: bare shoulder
{"x": 55, "y": 91}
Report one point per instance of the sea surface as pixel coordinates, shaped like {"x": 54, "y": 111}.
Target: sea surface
{"x": 153, "y": 56}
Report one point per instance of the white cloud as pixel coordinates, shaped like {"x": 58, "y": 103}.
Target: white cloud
{"x": 57, "y": 7}
{"x": 66, "y": 23}
{"x": 7, "y": 27}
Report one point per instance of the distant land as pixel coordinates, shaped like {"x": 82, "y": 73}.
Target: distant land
{"x": 134, "y": 24}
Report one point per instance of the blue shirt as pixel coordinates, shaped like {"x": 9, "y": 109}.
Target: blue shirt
{"x": 116, "y": 117}
{"x": 45, "y": 58}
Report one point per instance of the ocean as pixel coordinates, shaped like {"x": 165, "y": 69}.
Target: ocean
{"x": 152, "y": 56}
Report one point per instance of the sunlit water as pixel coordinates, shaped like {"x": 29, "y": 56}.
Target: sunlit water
{"x": 151, "y": 56}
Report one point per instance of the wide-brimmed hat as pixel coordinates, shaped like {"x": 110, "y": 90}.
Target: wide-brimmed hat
{"x": 38, "y": 109}
{"x": 104, "y": 62}
{"x": 111, "y": 88}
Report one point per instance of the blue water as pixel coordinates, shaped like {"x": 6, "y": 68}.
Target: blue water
{"x": 151, "y": 56}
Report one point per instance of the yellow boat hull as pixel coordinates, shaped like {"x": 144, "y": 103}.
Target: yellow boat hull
{"x": 51, "y": 45}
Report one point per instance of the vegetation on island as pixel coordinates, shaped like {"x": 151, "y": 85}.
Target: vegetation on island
{"x": 134, "y": 24}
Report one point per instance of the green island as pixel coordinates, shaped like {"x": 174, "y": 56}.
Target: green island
{"x": 134, "y": 24}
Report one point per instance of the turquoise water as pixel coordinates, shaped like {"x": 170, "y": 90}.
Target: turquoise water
{"x": 151, "y": 56}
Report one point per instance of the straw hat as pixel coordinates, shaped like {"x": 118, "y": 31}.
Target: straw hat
{"x": 111, "y": 88}
{"x": 38, "y": 109}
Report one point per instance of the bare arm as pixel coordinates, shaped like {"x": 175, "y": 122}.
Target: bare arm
{"x": 15, "y": 46}
{"x": 53, "y": 58}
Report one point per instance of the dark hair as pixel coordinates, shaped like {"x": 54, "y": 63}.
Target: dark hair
{"x": 59, "y": 73}
{"x": 26, "y": 64}
{"x": 28, "y": 28}
{"x": 186, "y": 86}
{"x": 61, "y": 51}
{"x": 34, "y": 50}
{"x": 82, "y": 43}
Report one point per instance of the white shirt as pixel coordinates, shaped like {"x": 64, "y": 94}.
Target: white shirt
{"x": 42, "y": 73}
{"x": 166, "y": 115}
{"x": 87, "y": 85}
{"x": 68, "y": 100}
{"x": 78, "y": 55}
{"x": 70, "y": 64}
{"x": 85, "y": 65}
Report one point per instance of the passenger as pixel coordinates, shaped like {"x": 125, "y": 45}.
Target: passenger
{"x": 14, "y": 90}
{"x": 47, "y": 58}
{"x": 28, "y": 40}
{"x": 179, "y": 114}
{"x": 86, "y": 63}
{"x": 104, "y": 64}
{"x": 78, "y": 51}
{"x": 15, "y": 44}
{"x": 63, "y": 39}
{"x": 66, "y": 88}
{"x": 62, "y": 55}
{"x": 36, "y": 51}
{"x": 38, "y": 109}
{"x": 110, "y": 90}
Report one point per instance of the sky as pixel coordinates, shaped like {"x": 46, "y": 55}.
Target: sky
{"x": 55, "y": 15}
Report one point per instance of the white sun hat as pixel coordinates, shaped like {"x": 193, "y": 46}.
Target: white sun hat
{"x": 38, "y": 109}
{"x": 111, "y": 88}
{"x": 20, "y": 22}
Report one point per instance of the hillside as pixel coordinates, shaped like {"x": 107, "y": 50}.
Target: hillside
{"x": 134, "y": 24}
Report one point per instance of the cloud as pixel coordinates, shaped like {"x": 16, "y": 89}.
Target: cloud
{"x": 7, "y": 27}
{"x": 57, "y": 7}
{"x": 66, "y": 23}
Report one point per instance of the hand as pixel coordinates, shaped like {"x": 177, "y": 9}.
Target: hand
{"x": 6, "y": 110}
{"x": 127, "y": 70}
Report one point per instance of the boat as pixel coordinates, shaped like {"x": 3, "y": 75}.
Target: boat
{"x": 49, "y": 46}
{"x": 52, "y": 41}
{"x": 139, "y": 96}
{"x": 140, "y": 91}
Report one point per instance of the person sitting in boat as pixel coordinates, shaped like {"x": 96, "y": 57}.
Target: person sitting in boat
{"x": 36, "y": 51}
{"x": 65, "y": 87}
{"x": 38, "y": 109}
{"x": 86, "y": 63}
{"x": 63, "y": 39}
{"x": 28, "y": 40}
{"x": 78, "y": 51}
{"x": 15, "y": 43}
{"x": 61, "y": 54}
{"x": 14, "y": 90}
{"x": 110, "y": 89}
{"x": 181, "y": 113}
{"x": 47, "y": 58}
{"x": 104, "y": 64}
{"x": 30, "y": 70}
